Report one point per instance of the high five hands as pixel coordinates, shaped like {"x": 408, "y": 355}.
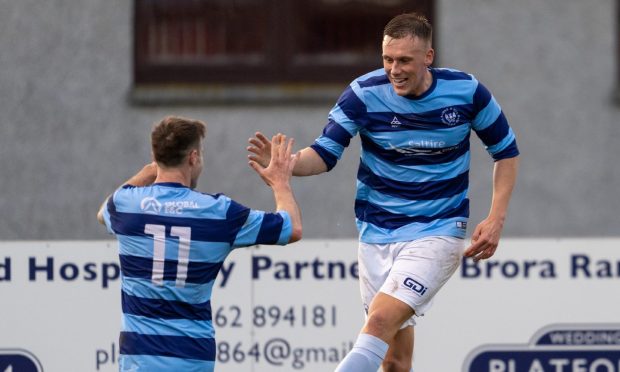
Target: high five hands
{"x": 272, "y": 160}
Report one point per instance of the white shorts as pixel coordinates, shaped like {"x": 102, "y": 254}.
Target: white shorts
{"x": 411, "y": 272}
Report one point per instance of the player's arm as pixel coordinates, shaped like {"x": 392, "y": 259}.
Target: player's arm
{"x": 144, "y": 177}
{"x": 485, "y": 237}
{"x": 277, "y": 175}
{"x": 309, "y": 162}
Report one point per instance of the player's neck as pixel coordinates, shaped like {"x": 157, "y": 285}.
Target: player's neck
{"x": 175, "y": 175}
{"x": 425, "y": 84}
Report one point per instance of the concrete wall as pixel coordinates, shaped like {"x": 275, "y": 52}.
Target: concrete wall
{"x": 69, "y": 136}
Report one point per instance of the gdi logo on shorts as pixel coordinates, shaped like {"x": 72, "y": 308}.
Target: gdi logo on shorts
{"x": 18, "y": 360}
{"x": 415, "y": 286}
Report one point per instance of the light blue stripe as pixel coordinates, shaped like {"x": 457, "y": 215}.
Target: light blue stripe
{"x": 153, "y": 363}
{"x": 359, "y": 91}
{"x": 370, "y": 233}
{"x": 191, "y": 293}
{"x": 419, "y": 173}
{"x": 287, "y": 228}
{"x": 135, "y": 246}
{"x": 383, "y": 99}
{"x": 459, "y": 92}
{"x": 168, "y": 327}
{"x": 249, "y": 232}
{"x": 328, "y": 144}
{"x": 452, "y": 92}
{"x": 337, "y": 115}
{"x": 436, "y": 138}
{"x": 502, "y": 144}
{"x": 106, "y": 218}
{"x": 406, "y": 207}
{"x": 173, "y": 202}
{"x": 487, "y": 115}
{"x": 199, "y": 251}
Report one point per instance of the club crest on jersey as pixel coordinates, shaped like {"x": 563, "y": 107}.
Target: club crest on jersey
{"x": 450, "y": 116}
{"x": 395, "y": 122}
{"x": 150, "y": 205}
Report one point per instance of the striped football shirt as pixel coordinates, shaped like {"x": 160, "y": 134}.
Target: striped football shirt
{"x": 412, "y": 179}
{"x": 172, "y": 244}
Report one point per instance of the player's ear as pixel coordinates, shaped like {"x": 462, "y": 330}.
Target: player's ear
{"x": 193, "y": 157}
{"x": 429, "y": 57}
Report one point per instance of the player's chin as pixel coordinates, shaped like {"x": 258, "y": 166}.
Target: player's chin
{"x": 400, "y": 91}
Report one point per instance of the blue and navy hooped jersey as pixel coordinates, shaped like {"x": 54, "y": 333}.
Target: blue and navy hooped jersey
{"x": 412, "y": 179}
{"x": 172, "y": 243}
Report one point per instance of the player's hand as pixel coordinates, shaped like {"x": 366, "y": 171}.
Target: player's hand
{"x": 260, "y": 147}
{"x": 280, "y": 169}
{"x": 485, "y": 239}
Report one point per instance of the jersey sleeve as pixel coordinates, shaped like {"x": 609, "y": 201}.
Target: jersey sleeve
{"x": 491, "y": 126}
{"x": 342, "y": 125}
{"x": 109, "y": 206}
{"x": 261, "y": 227}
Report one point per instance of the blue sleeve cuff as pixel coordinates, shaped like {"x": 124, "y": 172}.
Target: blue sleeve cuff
{"x": 509, "y": 152}
{"x": 329, "y": 158}
{"x": 287, "y": 228}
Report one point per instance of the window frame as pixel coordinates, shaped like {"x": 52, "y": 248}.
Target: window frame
{"x": 283, "y": 72}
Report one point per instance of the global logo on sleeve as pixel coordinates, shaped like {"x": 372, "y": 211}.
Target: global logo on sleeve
{"x": 555, "y": 348}
{"x": 450, "y": 116}
{"x": 150, "y": 205}
{"x": 19, "y": 360}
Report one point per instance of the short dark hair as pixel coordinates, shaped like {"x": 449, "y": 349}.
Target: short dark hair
{"x": 409, "y": 24}
{"x": 173, "y": 138}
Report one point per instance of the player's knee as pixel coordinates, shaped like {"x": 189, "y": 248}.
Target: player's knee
{"x": 381, "y": 325}
{"x": 394, "y": 364}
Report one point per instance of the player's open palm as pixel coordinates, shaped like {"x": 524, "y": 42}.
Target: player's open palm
{"x": 280, "y": 168}
{"x": 260, "y": 147}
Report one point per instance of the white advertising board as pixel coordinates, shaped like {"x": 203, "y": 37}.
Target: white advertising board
{"x": 537, "y": 305}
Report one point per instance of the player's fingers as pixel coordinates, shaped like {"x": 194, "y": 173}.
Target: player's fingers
{"x": 257, "y": 167}
{"x": 283, "y": 147}
{"x": 474, "y": 248}
{"x": 253, "y": 149}
{"x": 486, "y": 253}
{"x": 289, "y": 147}
{"x": 277, "y": 147}
{"x": 294, "y": 160}
{"x": 274, "y": 145}
{"x": 254, "y": 158}
{"x": 261, "y": 137}
{"x": 258, "y": 144}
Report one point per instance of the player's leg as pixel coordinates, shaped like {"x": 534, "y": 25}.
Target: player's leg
{"x": 385, "y": 316}
{"x": 419, "y": 270}
{"x": 400, "y": 352}
{"x": 375, "y": 261}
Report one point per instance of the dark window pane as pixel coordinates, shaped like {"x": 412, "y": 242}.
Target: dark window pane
{"x": 261, "y": 41}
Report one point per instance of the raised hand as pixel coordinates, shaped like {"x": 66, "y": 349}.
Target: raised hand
{"x": 279, "y": 170}
{"x": 260, "y": 147}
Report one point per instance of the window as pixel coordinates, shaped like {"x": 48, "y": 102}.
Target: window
{"x": 262, "y": 43}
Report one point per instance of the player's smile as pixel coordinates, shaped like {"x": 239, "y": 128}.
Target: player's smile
{"x": 406, "y": 62}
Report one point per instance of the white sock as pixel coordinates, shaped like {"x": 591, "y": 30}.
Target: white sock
{"x": 366, "y": 356}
